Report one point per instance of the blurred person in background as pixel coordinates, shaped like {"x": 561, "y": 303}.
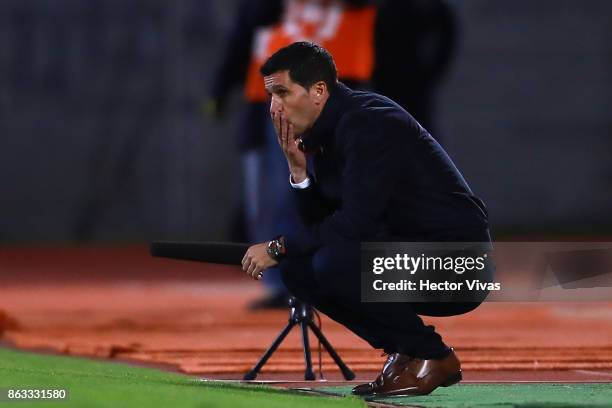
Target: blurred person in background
{"x": 261, "y": 28}
{"x": 415, "y": 42}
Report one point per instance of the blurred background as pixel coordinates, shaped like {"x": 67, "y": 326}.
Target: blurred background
{"x": 105, "y": 135}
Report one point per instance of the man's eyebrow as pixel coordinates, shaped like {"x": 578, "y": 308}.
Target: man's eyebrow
{"x": 276, "y": 88}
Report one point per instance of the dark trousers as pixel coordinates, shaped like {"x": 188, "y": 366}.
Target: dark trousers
{"x": 330, "y": 281}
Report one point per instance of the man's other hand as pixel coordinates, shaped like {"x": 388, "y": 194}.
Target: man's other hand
{"x": 256, "y": 260}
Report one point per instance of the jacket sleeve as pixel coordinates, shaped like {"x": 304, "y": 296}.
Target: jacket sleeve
{"x": 367, "y": 184}
{"x": 312, "y": 205}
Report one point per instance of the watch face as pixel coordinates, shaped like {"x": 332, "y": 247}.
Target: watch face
{"x": 274, "y": 248}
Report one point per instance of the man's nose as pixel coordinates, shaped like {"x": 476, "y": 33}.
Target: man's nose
{"x": 275, "y": 106}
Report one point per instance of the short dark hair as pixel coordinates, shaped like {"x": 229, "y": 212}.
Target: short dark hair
{"x": 307, "y": 63}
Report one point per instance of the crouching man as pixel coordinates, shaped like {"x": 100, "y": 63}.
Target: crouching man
{"x": 375, "y": 175}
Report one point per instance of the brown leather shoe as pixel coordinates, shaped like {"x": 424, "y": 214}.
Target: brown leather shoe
{"x": 405, "y": 375}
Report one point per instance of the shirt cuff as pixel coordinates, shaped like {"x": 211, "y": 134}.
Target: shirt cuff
{"x": 300, "y": 186}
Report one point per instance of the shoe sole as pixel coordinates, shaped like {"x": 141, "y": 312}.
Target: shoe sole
{"x": 451, "y": 380}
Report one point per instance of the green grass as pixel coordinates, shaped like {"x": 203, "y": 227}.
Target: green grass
{"x": 101, "y": 384}
{"x": 105, "y": 384}
{"x": 526, "y": 395}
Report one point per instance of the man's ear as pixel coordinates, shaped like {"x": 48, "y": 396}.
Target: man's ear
{"x": 320, "y": 91}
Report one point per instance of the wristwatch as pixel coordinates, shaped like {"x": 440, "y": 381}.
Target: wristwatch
{"x": 276, "y": 248}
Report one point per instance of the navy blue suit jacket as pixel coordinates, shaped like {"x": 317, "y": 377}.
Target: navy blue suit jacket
{"x": 379, "y": 176}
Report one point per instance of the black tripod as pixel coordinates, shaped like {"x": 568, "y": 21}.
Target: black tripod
{"x": 302, "y": 314}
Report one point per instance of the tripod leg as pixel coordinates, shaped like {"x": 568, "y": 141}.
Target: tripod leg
{"x": 346, "y": 372}
{"x": 251, "y": 375}
{"x": 308, "y": 374}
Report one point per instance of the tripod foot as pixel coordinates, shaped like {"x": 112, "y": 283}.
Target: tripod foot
{"x": 251, "y": 375}
{"x": 347, "y": 373}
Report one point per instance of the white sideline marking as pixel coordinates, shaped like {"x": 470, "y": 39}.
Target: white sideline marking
{"x": 601, "y": 373}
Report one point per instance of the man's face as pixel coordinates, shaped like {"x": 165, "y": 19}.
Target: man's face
{"x": 297, "y": 105}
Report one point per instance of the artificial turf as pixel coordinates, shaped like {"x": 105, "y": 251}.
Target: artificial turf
{"x": 104, "y": 384}
{"x": 520, "y": 395}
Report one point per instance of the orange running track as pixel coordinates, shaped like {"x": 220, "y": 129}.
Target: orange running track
{"x": 119, "y": 303}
